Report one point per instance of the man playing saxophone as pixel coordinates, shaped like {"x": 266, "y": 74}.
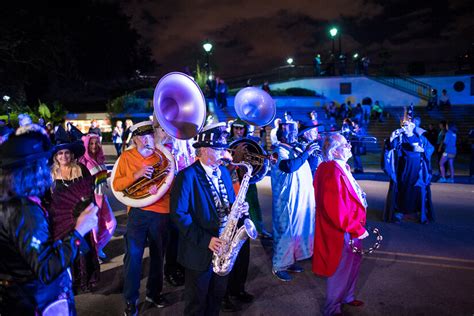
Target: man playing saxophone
{"x": 201, "y": 198}
{"x": 146, "y": 223}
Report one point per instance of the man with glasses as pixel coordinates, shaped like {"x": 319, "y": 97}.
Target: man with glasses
{"x": 293, "y": 203}
{"x": 340, "y": 216}
{"x": 201, "y": 199}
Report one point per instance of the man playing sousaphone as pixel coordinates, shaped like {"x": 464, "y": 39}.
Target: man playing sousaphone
{"x": 149, "y": 222}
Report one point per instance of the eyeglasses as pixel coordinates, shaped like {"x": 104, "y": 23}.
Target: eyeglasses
{"x": 345, "y": 145}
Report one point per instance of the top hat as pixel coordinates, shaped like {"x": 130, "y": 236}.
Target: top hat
{"x": 306, "y": 126}
{"x": 28, "y": 144}
{"x": 63, "y": 140}
{"x": 142, "y": 128}
{"x": 213, "y": 135}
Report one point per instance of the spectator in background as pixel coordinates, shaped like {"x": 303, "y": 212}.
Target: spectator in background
{"x": 331, "y": 111}
{"x": 127, "y": 134}
{"x": 313, "y": 115}
{"x": 221, "y": 93}
{"x": 266, "y": 87}
{"x": 377, "y": 111}
{"x": 288, "y": 117}
{"x": 366, "y": 110}
{"x": 117, "y": 135}
{"x": 365, "y": 65}
{"x": 433, "y": 101}
{"x": 95, "y": 129}
{"x": 449, "y": 154}
{"x": 358, "y": 114}
{"x": 317, "y": 65}
{"x": 443, "y": 126}
{"x": 24, "y": 119}
{"x": 444, "y": 99}
{"x": 432, "y": 134}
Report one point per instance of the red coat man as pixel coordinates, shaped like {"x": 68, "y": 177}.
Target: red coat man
{"x": 340, "y": 215}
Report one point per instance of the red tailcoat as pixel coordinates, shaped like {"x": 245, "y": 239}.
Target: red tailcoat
{"x": 338, "y": 210}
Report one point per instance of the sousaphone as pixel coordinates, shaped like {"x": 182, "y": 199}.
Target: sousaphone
{"x": 180, "y": 108}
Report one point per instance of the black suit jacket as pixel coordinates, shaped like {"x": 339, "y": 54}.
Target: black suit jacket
{"x": 194, "y": 212}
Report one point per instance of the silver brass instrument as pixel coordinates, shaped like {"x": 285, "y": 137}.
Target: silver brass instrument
{"x": 180, "y": 108}
{"x": 255, "y": 106}
{"x": 232, "y": 236}
{"x": 179, "y": 105}
{"x": 378, "y": 241}
{"x": 247, "y": 150}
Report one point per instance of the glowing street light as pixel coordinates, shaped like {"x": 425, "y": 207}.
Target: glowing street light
{"x": 6, "y": 98}
{"x": 207, "y": 47}
{"x": 290, "y": 61}
{"x": 333, "y": 32}
{"x": 355, "y": 56}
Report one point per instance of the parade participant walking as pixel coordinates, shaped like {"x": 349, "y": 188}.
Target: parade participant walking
{"x": 34, "y": 274}
{"x": 94, "y": 160}
{"x": 201, "y": 198}
{"x": 340, "y": 216}
{"x": 148, "y": 224}
{"x": 293, "y": 204}
{"x": 407, "y": 163}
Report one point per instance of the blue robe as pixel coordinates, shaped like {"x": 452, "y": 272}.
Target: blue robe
{"x": 293, "y": 207}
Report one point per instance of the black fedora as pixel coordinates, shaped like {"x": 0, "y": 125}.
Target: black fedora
{"x": 28, "y": 144}
{"x": 213, "y": 136}
{"x": 306, "y": 126}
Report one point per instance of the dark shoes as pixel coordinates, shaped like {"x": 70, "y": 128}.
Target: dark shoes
{"x": 355, "y": 303}
{"x": 295, "y": 268}
{"x": 175, "y": 279}
{"x": 243, "y": 297}
{"x": 159, "y": 302}
{"x": 130, "y": 310}
{"x": 282, "y": 275}
{"x": 228, "y": 306}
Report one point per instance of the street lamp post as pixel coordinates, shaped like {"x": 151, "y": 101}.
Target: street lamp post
{"x": 333, "y": 32}
{"x": 207, "y": 48}
{"x": 290, "y": 61}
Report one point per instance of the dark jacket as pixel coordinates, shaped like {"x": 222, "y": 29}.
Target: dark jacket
{"x": 193, "y": 211}
{"x": 33, "y": 268}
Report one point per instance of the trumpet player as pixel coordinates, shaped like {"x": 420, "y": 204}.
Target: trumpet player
{"x": 149, "y": 223}
{"x": 201, "y": 198}
{"x": 293, "y": 204}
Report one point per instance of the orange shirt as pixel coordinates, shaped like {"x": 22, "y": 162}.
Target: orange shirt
{"x": 130, "y": 162}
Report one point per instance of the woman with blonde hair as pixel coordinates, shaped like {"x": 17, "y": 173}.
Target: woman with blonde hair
{"x": 66, "y": 173}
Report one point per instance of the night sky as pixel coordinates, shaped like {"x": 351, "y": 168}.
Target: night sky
{"x": 251, "y": 36}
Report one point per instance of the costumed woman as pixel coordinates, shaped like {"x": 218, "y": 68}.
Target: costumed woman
{"x": 67, "y": 174}
{"x": 34, "y": 274}
{"x": 407, "y": 158}
{"x": 94, "y": 160}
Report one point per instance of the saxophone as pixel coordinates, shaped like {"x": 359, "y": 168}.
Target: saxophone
{"x": 233, "y": 237}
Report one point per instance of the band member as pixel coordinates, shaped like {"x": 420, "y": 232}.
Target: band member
{"x": 33, "y": 266}
{"x": 407, "y": 161}
{"x": 293, "y": 204}
{"x": 201, "y": 198}
{"x": 340, "y": 215}
{"x": 238, "y": 276}
{"x": 149, "y": 223}
{"x": 307, "y": 134}
{"x": 184, "y": 154}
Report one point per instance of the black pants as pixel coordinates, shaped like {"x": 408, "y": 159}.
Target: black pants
{"x": 171, "y": 263}
{"x": 238, "y": 275}
{"x": 143, "y": 225}
{"x": 203, "y": 292}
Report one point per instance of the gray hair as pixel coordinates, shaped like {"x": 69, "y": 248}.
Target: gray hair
{"x": 331, "y": 142}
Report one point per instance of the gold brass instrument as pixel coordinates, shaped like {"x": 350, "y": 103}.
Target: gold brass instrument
{"x": 180, "y": 108}
{"x": 234, "y": 237}
{"x": 249, "y": 151}
{"x": 140, "y": 188}
{"x": 137, "y": 194}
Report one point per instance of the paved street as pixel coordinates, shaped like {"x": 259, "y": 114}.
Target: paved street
{"x": 419, "y": 270}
